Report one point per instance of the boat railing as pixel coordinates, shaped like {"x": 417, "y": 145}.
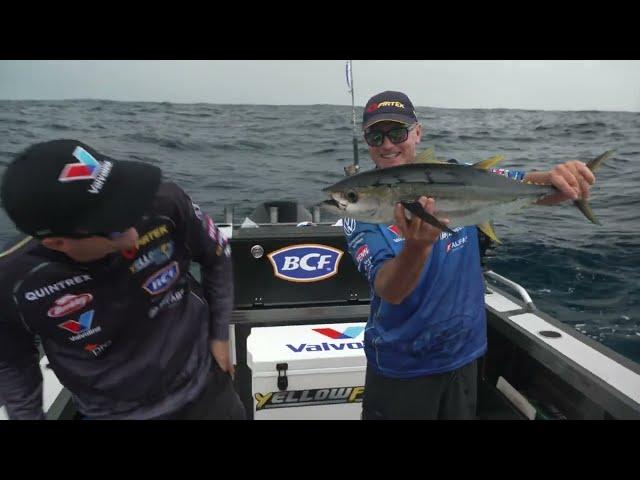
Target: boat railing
{"x": 524, "y": 295}
{"x": 274, "y": 217}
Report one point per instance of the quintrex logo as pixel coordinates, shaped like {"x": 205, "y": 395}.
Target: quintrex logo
{"x": 302, "y": 398}
{"x": 305, "y": 263}
{"x": 350, "y": 333}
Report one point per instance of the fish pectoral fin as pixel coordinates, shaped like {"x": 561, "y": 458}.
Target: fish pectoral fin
{"x": 489, "y": 162}
{"x": 584, "y": 207}
{"x": 582, "y": 204}
{"x": 428, "y": 156}
{"x": 417, "y": 209}
{"x": 487, "y": 229}
{"x": 594, "y": 164}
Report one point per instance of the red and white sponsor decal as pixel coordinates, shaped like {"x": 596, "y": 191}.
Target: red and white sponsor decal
{"x": 362, "y": 253}
{"x": 396, "y": 231}
{"x": 97, "y": 349}
{"x": 212, "y": 229}
{"x": 69, "y": 304}
{"x": 394, "y": 228}
{"x": 215, "y": 233}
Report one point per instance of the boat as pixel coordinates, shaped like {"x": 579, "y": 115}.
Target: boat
{"x": 536, "y": 367}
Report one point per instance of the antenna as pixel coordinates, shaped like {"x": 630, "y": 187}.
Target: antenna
{"x": 352, "y": 169}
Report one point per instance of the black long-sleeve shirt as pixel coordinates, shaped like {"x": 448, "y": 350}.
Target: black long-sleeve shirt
{"x": 129, "y": 334}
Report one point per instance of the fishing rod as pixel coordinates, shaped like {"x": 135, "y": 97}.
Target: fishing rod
{"x": 351, "y": 169}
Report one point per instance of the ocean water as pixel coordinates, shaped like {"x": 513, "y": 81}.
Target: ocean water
{"x": 587, "y": 276}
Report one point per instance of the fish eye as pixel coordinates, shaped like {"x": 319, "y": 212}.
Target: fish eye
{"x": 352, "y": 196}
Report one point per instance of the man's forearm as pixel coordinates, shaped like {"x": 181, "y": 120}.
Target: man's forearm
{"x": 537, "y": 177}
{"x": 543, "y": 178}
{"x": 217, "y": 283}
{"x": 398, "y": 277}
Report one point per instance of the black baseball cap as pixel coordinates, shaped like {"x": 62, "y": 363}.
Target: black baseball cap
{"x": 388, "y": 106}
{"x": 65, "y": 188}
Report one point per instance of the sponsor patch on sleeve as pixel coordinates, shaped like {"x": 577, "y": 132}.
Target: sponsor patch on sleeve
{"x": 363, "y": 259}
{"x": 196, "y": 210}
{"x": 217, "y": 236}
{"x": 514, "y": 174}
{"x": 349, "y": 226}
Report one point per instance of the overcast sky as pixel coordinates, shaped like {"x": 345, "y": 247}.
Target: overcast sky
{"x": 527, "y": 84}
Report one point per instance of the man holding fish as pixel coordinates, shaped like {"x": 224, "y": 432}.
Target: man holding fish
{"x": 410, "y": 227}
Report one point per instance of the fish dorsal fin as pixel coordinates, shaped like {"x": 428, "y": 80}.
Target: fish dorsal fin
{"x": 428, "y": 156}
{"x": 489, "y": 162}
{"x": 487, "y": 229}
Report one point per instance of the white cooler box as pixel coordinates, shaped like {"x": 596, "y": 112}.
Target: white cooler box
{"x": 307, "y": 371}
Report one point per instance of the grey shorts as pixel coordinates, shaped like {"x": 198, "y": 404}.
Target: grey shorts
{"x": 444, "y": 396}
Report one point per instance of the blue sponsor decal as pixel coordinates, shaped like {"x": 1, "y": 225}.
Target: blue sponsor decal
{"x": 161, "y": 280}
{"x": 456, "y": 244}
{"x": 156, "y": 256}
{"x": 305, "y": 263}
{"x": 349, "y": 226}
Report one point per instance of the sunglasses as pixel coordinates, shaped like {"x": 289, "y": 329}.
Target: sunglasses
{"x": 375, "y": 138}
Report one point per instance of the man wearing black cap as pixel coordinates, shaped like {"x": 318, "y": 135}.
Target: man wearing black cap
{"x": 102, "y": 279}
{"x": 427, "y": 325}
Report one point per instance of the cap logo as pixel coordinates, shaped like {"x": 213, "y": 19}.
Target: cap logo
{"x": 390, "y": 104}
{"x": 376, "y": 106}
{"x": 86, "y": 169}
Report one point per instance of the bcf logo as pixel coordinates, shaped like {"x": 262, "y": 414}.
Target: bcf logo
{"x": 305, "y": 263}
{"x": 161, "y": 280}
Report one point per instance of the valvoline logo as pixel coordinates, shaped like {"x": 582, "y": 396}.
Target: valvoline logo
{"x": 305, "y": 262}
{"x": 349, "y": 332}
{"x": 86, "y": 169}
{"x": 82, "y": 325}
